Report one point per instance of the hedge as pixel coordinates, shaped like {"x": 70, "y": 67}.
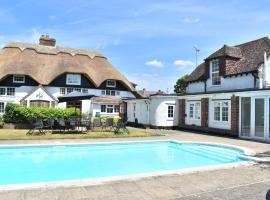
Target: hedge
{"x": 15, "y": 113}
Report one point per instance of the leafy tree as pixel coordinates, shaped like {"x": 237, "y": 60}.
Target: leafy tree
{"x": 181, "y": 84}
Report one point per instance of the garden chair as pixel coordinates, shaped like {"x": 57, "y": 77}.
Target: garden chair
{"x": 121, "y": 125}
{"x": 96, "y": 122}
{"x": 49, "y": 124}
{"x": 108, "y": 124}
{"x": 61, "y": 124}
{"x": 38, "y": 125}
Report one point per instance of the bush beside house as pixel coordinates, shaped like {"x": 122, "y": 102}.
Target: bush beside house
{"x": 18, "y": 114}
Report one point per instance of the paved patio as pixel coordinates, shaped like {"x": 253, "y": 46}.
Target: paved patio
{"x": 245, "y": 182}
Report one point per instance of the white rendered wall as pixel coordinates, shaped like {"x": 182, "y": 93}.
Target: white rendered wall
{"x": 159, "y": 111}
{"x": 232, "y": 83}
{"x": 141, "y": 111}
{"x": 195, "y": 87}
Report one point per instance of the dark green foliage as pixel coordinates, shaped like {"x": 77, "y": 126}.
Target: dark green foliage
{"x": 15, "y": 113}
{"x": 1, "y": 122}
{"x": 181, "y": 84}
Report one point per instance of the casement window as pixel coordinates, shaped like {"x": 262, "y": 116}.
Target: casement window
{"x": 170, "y": 111}
{"x": 215, "y": 72}
{"x": 221, "y": 111}
{"x": 10, "y": 91}
{"x": 110, "y": 108}
{"x": 73, "y": 79}
{"x": 18, "y": 79}
{"x": 2, "y": 107}
{"x": 62, "y": 91}
{"x": 195, "y": 110}
{"x": 111, "y": 83}
{"x": 2, "y": 91}
{"x": 110, "y": 93}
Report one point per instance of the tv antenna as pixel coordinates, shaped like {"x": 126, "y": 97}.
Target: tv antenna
{"x": 197, "y": 52}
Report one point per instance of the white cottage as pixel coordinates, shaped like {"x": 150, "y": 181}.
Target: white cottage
{"x": 37, "y": 74}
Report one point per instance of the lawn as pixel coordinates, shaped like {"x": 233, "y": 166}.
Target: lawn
{"x": 16, "y": 134}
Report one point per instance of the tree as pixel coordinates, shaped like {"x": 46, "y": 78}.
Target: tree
{"x": 181, "y": 84}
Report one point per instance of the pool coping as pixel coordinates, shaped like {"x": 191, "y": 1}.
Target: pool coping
{"x": 100, "y": 181}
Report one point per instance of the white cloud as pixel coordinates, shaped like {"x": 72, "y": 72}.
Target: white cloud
{"x": 155, "y": 63}
{"x": 116, "y": 42}
{"x": 2, "y": 37}
{"x": 190, "y": 20}
{"x": 183, "y": 63}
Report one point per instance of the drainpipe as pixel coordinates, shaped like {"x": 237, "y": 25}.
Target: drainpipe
{"x": 265, "y": 75}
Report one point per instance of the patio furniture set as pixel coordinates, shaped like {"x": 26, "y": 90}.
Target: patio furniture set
{"x": 77, "y": 125}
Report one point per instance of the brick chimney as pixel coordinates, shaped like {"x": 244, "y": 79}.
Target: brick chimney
{"x": 46, "y": 40}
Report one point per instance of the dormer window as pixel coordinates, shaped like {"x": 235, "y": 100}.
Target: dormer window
{"x": 215, "y": 72}
{"x": 111, "y": 83}
{"x": 73, "y": 79}
{"x": 18, "y": 79}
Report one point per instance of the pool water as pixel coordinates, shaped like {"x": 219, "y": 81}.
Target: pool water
{"x": 32, "y": 164}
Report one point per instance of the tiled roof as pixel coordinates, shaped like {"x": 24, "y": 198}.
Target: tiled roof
{"x": 246, "y": 57}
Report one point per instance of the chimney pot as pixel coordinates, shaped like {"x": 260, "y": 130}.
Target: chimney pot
{"x": 46, "y": 40}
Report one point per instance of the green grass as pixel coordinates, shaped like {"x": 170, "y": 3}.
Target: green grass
{"x": 16, "y": 134}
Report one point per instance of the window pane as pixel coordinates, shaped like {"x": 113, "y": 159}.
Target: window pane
{"x": 215, "y": 72}
{"x": 18, "y": 79}
{"x": 62, "y": 91}
{"x": 191, "y": 110}
{"x": 108, "y": 92}
{"x": 2, "y": 107}
{"x": 109, "y": 108}
{"x": 116, "y": 108}
{"x": 259, "y": 117}
{"x": 217, "y": 111}
{"x": 84, "y": 90}
{"x": 103, "y": 108}
{"x": 245, "y": 116}
{"x": 103, "y": 92}
{"x": 112, "y": 93}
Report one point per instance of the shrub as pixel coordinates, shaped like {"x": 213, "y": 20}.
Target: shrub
{"x": 15, "y": 113}
{"x": 1, "y": 122}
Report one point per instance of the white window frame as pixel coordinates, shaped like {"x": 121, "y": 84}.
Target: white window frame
{"x": 111, "y": 85}
{"x": 170, "y": 111}
{"x": 73, "y": 79}
{"x": 109, "y": 92}
{"x": 196, "y": 110}
{"x": 221, "y": 111}
{"x": 110, "y": 106}
{"x": 216, "y": 73}
{"x": 18, "y": 76}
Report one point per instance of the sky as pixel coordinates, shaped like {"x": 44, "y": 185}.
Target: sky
{"x": 150, "y": 41}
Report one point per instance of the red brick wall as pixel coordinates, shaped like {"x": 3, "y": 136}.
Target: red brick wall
{"x": 204, "y": 112}
{"x": 235, "y": 115}
{"x": 182, "y": 112}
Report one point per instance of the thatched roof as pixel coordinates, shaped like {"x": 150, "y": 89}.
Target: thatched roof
{"x": 246, "y": 57}
{"x": 44, "y": 63}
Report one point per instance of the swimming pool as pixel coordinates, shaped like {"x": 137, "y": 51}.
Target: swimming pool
{"x": 49, "y": 163}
